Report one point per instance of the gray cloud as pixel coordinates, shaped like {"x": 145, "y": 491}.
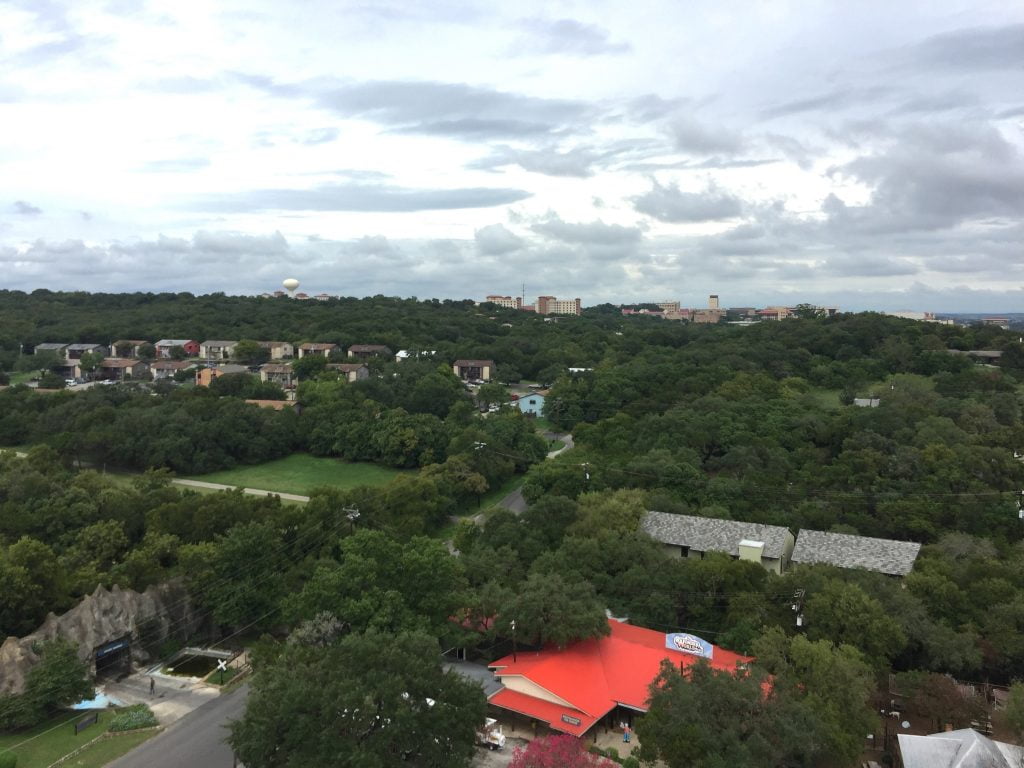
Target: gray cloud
{"x": 670, "y": 204}
{"x": 449, "y": 108}
{"x": 695, "y": 137}
{"x": 933, "y": 176}
{"x": 587, "y": 233}
{"x": 977, "y": 49}
{"x": 577, "y": 162}
{"x": 355, "y": 196}
{"x": 568, "y": 37}
{"x": 497, "y": 240}
{"x": 22, "y": 208}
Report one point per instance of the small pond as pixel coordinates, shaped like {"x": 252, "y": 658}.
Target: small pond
{"x": 194, "y": 666}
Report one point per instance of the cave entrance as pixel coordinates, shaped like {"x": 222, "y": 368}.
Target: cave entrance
{"x": 114, "y": 659}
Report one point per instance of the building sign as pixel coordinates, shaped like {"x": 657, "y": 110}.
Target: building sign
{"x": 571, "y": 720}
{"x": 108, "y": 648}
{"x": 679, "y": 641}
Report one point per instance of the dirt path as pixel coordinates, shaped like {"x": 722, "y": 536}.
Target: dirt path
{"x": 251, "y": 491}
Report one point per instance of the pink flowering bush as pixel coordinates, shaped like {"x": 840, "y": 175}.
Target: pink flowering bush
{"x": 556, "y": 752}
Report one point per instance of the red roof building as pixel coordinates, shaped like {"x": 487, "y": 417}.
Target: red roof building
{"x": 572, "y": 688}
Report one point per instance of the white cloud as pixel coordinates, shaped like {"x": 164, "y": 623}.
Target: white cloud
{"x": 205, "y": 146}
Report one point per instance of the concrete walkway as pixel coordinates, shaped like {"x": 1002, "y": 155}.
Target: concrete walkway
{"x": 566, "y": 439}
{"x": 173, "y": 698}
{"x": 251, "y": 491}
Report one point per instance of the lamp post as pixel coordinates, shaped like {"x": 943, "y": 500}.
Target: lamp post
{"x": 513, "y": 640}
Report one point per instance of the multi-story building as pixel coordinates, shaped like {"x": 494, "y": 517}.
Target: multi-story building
{"x": 316, "y": 348}
{"x": 164, "y": 347}
{"x": 550, "y": 305}
{"x": 279, "y": 350}
{"x": 509, "y": 302}
{"x": 668, "y": 306}
{"x": 217, "y": 349}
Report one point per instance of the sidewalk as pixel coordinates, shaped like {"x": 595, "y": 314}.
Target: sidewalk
{"x": 173, "y": 698}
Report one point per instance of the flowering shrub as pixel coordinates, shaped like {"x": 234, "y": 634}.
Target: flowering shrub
{"x": 556, "y": 752}
{"x": 130, "y": 718}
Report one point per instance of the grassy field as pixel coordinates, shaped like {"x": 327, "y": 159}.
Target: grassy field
{"x": 22, "y": 377}
{"x": 301, "y": 473}
{"x": 51, "y": 740}
{"x": 107, "y": 750}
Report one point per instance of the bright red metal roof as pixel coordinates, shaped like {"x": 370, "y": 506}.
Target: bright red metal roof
{"x": 547, "y": 711}
{"x": 595, "y": 675}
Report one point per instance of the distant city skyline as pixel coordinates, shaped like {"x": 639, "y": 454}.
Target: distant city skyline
{"x": 866, "y": 155}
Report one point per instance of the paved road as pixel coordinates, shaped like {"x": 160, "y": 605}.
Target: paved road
{"x": 514, "y": 502}
{"x": 252, "y": 491}
{"x": 197, "y": 740}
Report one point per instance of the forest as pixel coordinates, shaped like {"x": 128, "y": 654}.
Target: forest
{"x": 748, "y": 423}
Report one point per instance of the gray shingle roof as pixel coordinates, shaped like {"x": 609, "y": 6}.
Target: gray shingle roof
{"x": 708, "y": 534}
{"x": 965, "y": 748}
{"x": 846, "y": 551}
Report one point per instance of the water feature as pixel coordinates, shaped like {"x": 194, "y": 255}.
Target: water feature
{"x": 100, "y": 701}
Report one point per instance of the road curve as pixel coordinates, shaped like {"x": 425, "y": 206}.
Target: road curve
{"x": 197, "y": 740}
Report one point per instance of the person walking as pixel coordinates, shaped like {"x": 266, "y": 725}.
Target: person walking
{"x": 152, "y": 686}
{"x": 625, "y": 733}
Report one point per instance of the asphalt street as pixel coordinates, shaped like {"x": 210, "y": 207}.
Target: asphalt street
{"x": 197, "y": 740}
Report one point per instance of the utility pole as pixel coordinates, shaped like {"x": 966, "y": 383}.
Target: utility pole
{"x": 352, "y": 513}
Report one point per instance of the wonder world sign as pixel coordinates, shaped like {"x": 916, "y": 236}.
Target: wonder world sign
{"x": 680, "y": 641}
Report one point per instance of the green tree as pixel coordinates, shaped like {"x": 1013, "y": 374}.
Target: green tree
{"x": 309, "y": 366}
{"x": 845, "y": 614}
{"x": 146, "y": 352}
{"x": 550, "y": 608}
{"x": 707, "y": 718}
{"x": 372, "y": 700}
{"x": 249, "y": 352}
{"x": 89, "y": 362}
{"x": 57, "y": 680}
{"x": 1013, "y": 714}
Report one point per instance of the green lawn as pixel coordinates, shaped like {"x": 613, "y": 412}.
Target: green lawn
{"x": 107, "y": 750}
{"x": 22, "y": 377}
{"x": 51, "y": 740}
{"x": 300, "y": 473}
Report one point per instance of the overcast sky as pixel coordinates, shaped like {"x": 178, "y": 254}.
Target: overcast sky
{"x": 866, "y": 154}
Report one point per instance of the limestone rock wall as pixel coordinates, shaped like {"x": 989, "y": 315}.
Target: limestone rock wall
{"x": 99, "y": 618}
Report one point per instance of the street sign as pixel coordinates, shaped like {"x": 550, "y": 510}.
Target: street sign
{"x": 222, "y": 665}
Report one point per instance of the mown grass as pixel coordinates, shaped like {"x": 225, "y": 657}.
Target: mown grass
{"x": 52, "y": 739}
{"x": 109, "y": 749}
{"x": 300, "y": 473}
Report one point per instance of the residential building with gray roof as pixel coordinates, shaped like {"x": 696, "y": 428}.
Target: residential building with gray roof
{"x": 690, "y": 536}
{"x": 844, "y": 550}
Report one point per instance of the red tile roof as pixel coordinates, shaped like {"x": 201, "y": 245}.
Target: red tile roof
{"x": 595, "y": 675}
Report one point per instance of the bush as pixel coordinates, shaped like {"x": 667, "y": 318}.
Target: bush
{"x": 133, "y": 717}
{"x": 8, "y": 760}
{"x": 630, "y": 762}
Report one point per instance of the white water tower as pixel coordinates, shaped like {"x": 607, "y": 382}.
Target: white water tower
{"x": 290, "y": 285}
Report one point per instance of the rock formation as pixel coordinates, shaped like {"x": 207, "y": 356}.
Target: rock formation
{"x": 99, "y": 618}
